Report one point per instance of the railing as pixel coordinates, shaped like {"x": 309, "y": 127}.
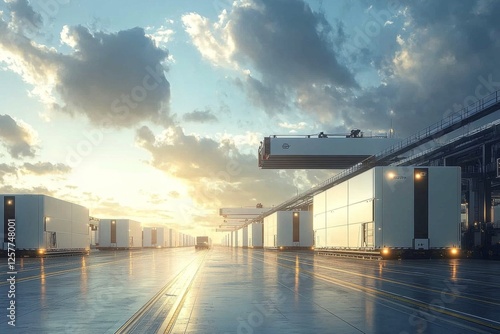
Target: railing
{"x": 447, "y": 122}
{"x": 468, "y": 134}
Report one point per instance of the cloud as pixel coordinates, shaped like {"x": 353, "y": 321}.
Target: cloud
{"x": 443, "y": 57}
{"x": 17, "y": 137}
{"x": 272, "y": 99}
{"x": 293, "y": 127}
{"x": 289, "y": 46}
{"x": 405, "y": 62}
{"x": 43, "y": 168}
{"x": 23, "y": 17}
{"x": 6, "y": 170}
{"x": 216, "y": 172}
{"x": 42, "y": 190}
{"x": 161, "y": 36}
{"x": 114, "y": 79}
{"x": 200, "y": 116}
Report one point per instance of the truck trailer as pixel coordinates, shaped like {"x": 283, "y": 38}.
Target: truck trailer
{"x": 202, "y": 242}
{"x": 285, "y": 230}
{"x": 119, "y": 234}
{"x": 391, "y": 211}
{"x": 155, "y": 237}
{"x": 40, "y": 225}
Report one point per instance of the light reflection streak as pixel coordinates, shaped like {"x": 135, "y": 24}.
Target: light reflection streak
{"x": 297, "y": 277}
{"x": 130, "y": 264}
{"x": 454, "y": 270}
{"x": 84, "y": 278}
{"x": 42, "y": 282}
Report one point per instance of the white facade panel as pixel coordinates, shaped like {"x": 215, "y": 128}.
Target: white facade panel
{"x": 147, "y": 237}
{"x": 237, "y": 236}
{"x": 175, "y": 238}
{"x": 29, "y": 222}
{"x": 244, "y": 237}
{"x": 376, "y": 209}
{"x": 319, "y": 210}
{"x": 162, "y": 237}
{"x": 270, "y": 230}
{"x": 441, "y": 220}
{"x": 397, "y": 206}
{"x": 255, "y": 235}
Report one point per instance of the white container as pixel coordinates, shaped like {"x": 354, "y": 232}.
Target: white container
{"x": 243, "y": 237}
{"x": 255, "y": 235}
{"x": 391, "y": 207}
{"x": 45, "y": 224}
{"x": 157, "y": 237}
{"x": 120, "y": 233}
{"x": 309, "y": 153}
{"x": 280, "y": 232}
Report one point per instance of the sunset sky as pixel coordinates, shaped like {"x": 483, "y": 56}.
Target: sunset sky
{"x": 154, "y": 110}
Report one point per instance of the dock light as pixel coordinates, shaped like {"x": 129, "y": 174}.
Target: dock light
{"x": 454, "y": 251}
{"x": 281, "y": 247}
{"x": 41, "y": 251}
{"x": 385, "y": 251}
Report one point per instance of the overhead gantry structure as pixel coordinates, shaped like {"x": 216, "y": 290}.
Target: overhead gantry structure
{"x": 321, "y": 151}
{"x": 236, "y": 218}
{"x": 270, "y": 155}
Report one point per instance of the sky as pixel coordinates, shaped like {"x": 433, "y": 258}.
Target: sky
{"x": 154, "y": 110}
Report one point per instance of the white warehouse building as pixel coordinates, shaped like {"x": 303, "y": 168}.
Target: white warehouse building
{"x": 388, "y": 208}
{"x": 44, "y": 225}
{"x": 119, "y": 234}
{"x": 288, "y": 230}
{"x": 156, "y": 237}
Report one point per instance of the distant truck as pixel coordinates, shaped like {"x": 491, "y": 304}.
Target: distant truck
{"x": 202, "y": 242}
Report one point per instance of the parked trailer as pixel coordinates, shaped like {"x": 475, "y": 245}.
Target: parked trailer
{"x": 392, "y": 211}
{"x": 202, "y": 242}
{"x": 40, "y": 225}
{"x": 120, "y": 234}
{"x": 155, "y": 237}
{"x": 288, "y": 230}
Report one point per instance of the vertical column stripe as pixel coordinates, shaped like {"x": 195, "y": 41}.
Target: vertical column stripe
{"x": 421, "y": 203}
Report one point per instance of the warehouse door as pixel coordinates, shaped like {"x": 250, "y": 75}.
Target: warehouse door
{"x": 50, "y": 240}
